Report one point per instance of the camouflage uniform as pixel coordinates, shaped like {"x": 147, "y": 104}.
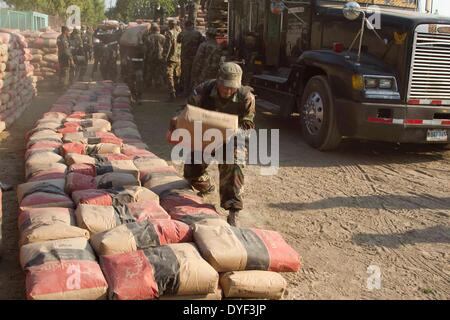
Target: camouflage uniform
{"x": 190, "y": 40}
{"x": 212, "y": 64}
{"x": 76, "y": 43}
{"x": 231, "y": 175}
{"x": 134, "y": 71}
{"x": 172, "y": 57}
{"x": 205, "y": 50}
{"x": 64, "y": 59}
{"x": 88, "y": 44}
{"x": 154, "y": 58}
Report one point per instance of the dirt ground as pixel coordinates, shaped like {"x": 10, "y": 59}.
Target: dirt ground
{"x": 366, "y": 204}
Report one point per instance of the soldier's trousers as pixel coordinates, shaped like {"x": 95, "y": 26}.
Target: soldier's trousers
{"x": 95, "y": 67}
{"x": 154, "y": 73}
{"x": 172, "y": 76}
{"x": 64, "y": 76}
{"x": 186, "y": 73}
{"x": 230, "y": 186}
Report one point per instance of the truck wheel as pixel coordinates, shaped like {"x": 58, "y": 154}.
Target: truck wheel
{"x": 317, "y": 115}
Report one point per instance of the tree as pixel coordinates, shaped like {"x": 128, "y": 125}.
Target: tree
{"x": 92, "y": 11}
{"x": 129, "y": 10}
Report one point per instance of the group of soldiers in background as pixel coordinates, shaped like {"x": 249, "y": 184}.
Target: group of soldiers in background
{"x": 181, "y": 58}
{"x": 75, "y": 50}
{"x": 174, "y": 57}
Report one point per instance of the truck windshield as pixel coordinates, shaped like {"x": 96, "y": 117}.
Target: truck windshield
{"x": 407, "y": 4}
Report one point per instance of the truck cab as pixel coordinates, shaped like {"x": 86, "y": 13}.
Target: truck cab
{"x": 390, "y": 84}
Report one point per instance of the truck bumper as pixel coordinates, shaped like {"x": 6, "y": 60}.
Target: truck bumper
{"x": 391, "y": 122}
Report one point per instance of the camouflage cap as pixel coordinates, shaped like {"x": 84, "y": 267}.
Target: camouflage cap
{"x": 230, "y": 75}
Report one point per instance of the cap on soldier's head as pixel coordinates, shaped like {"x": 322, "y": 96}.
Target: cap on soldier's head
{"x": 230, "y": 75}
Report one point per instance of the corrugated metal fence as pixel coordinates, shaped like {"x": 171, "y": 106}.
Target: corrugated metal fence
{"x": 22, "y": 20}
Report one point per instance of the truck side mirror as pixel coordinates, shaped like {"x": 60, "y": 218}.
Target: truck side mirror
{"x": 352, "y": 10}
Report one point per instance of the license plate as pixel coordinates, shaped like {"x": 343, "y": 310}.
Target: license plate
{"x": 437, "y": 135}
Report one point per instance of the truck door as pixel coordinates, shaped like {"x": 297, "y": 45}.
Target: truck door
{"x": 296, "y": 29}
{"x": 287, "y": 31}
{"x": 273, "y": 33}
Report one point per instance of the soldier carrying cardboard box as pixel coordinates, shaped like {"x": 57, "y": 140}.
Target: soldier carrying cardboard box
{"x": 225, "y": 94}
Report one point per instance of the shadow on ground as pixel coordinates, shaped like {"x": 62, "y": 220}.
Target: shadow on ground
{"x": 437, "y": 234}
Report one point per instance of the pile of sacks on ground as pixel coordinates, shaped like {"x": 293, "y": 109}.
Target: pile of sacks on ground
{"x": 201, "y": 21}
{"x": 17, "y": 83}
{"x": 44, "y": 50}
{"x": 103, "y": 217}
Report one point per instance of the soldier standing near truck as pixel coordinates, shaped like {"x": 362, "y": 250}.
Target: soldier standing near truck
{"x": 64, "y": 57}
{"x": 205, "y": 50}
{"x": 172, "y": 51}
{"x": 76, "y": 44}
{"x": 213, "y": 62}
{"x": 154, "y": 59}
{"x": 190, "y": 40}
{"x": 87, "y": 35}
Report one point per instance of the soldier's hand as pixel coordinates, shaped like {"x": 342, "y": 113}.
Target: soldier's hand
{"x": 173, "y": 124}
{"x": 247, "y": 125}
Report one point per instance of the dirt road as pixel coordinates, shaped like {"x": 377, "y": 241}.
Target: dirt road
{"x": 366, "y": 204}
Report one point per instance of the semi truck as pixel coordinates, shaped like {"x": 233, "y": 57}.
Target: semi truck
{"x": 372, "y": 69}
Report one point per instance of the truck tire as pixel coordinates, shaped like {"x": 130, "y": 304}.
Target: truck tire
{"x": 317, "y": 115}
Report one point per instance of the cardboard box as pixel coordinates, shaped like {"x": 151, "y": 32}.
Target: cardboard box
{"x": 197, "y": 121}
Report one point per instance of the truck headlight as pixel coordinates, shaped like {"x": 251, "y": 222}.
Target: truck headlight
{"x": 371, "y": 83}
{"x": 380, "y": 87}
{"x": 386, "y": 83}
{"x": 380, "y": 83}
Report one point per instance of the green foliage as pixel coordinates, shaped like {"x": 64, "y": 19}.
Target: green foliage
{"x": 130, "y": 10}
{"x": 92, "y": 11}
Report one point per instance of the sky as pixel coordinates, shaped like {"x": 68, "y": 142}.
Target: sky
{"x": 110, "y": 3}
{"x": 443, "y": 6}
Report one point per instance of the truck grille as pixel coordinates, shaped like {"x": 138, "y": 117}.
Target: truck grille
{"x": 430, "y": 67}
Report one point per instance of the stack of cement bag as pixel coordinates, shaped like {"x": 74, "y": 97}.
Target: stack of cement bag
{"x": 201, "y": 21}
{"x": 112, "y": 220}
{"x": 217, "y": 12}
{"x": 44, "y": 51}
{"x": 17, "y": 83}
